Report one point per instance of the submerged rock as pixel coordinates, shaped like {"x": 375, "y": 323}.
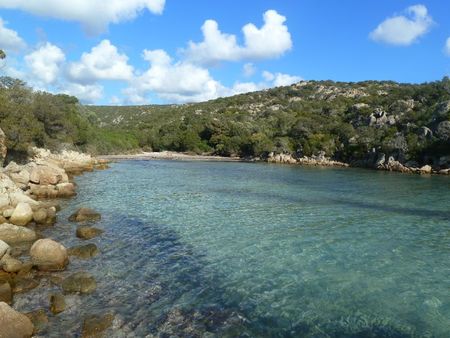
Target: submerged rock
{"x": 49, "y": 255}
{"x": 57, "y": 303}
{"x": 21, "y": 284}
{"x": 84, "y": 215}
{"x": 84, "y": 251}
{"x": 39, "y": 319}
{"x": 87, "y": 232}
{"x": 14, "y": 324}
{"x": 95, "y": 325}
{"x": 13, "y": 234}
{"x": 81, "y": 282}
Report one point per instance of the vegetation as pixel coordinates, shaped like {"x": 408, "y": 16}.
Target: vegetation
{"x": 346, "y": 121}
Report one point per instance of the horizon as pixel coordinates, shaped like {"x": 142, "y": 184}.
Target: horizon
{"x": 109, "y": 55}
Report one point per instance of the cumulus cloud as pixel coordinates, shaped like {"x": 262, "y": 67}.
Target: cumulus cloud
{"x": 447, "y": 47}
{"x": 173, "y": 81}
{"x": 270, "y": 41}
{"x": 45, "y": 63}
{"x": 94, "y": 15}
{"x": 183, "y": 81}
{"x": 10, "y": 39}
{"x": 103, "y": 62}
{"x": 403, "y": 30}
{"x": 90, "y": 93}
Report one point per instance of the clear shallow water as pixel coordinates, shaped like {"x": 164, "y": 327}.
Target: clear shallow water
{"x": 230, "y": 249}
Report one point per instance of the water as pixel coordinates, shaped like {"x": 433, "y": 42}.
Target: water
{"x": 256, "y": 250}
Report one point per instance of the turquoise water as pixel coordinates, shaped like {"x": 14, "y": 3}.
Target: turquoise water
{"x": 256, "y": 250}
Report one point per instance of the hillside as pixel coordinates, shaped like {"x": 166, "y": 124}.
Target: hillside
{"x": 350, "y": 122}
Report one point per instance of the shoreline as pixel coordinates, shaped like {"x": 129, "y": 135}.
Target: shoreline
{"x": 314, "y": 161}
{"x": 30, "y": 196}
{"x": 169, "y": 155}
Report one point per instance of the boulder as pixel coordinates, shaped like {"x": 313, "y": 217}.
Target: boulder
{"x": 3, "y": 149}
{"x": 48, "y": 175}
{"x": 57, "y": 303}
{"x": 10, "y": 264}
{"x": 426, "y": 169}
{"x": 5, "y": 292}
{"x": 49, "y": 255}
{"x": 65, "y": 189}
{"x": 21, "y": 178}
{"x": 84, "y": 215}
{"x": 14, "y": 324}
{"x": 20, "y": 197}
{"x": 22, "y": 215}
{"x": 4, "y": 249}
{"x": 3, "y": 219}
{"x": 87, "y": 232}
{"x": 8, "y": 212}
{"x": 80, "y": 282}
{"x": 84, "y": 251}
{"x": 13, "y": 234}
{"x": 40, "y": 216}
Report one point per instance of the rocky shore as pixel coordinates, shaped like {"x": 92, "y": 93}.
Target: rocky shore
{"x": 376, "y": 161}
{"x": 29, "y": 196}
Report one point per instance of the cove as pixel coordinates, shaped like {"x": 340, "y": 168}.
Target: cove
{"x": 256, "y": 250}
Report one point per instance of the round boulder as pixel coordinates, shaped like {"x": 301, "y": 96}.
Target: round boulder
{"x": 49, "y": 255}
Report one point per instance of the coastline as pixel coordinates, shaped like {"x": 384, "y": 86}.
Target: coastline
{"x": 390, "y": 164}
{"x": 30, "y": 196}
{"x": 169, "y": 155}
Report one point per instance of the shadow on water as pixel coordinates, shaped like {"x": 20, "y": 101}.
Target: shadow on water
{"x": 180, "y": 296}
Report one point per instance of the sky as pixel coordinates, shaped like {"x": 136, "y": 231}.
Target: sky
{"x": 124, "y": 52}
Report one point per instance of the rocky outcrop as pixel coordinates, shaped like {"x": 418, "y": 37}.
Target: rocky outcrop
{"x": 14, "y": 324}
{"x": 3, "y": 149}
{"x": 316, "y": 160}
{"x": 49, "y": 255}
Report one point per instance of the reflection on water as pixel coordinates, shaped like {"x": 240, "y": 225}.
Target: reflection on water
{"x": 232, "y": 249}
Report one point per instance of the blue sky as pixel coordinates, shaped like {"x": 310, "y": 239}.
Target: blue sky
{"x": 156, "y": 51}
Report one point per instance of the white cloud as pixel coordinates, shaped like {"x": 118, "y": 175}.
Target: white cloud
{"x": 447, "y": 47}
{"x": 175, "y": 82}
{"x": 403, "y": 30}
{"x": 249, "y": 69}
{"x": 280, "y": 79}
{"x": 103, "y": 62}
{"x": 45, "y": 63}
{"x": 10, "y": 39}
{"x": 85, "y": 93}
{"x": 94, "y": 15}
{"x": 270, "y": 41}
